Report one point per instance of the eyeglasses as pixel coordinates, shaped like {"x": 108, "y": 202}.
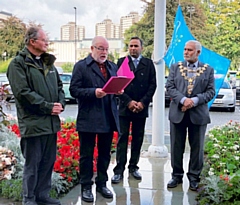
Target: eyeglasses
{"x": 101, "y": 48}
{"x": 43, "y": 40}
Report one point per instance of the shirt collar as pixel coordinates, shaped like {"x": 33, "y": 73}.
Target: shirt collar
{"x": 138, "y": 59}
{"x": 195, "y": 64}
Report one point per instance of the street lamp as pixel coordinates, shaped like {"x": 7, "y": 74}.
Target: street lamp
{"x": 75, "y": 34}
{"x": 190, "y": 9}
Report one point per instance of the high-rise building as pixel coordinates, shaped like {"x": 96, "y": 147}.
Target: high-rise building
{"x": 107, "y": 29}
{"x": 68, "y": 32}
{"x": 4, "y": 16}
{"x": 127, "y": 21}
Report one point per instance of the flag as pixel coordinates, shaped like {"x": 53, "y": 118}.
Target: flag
{"x": 181, "y": 35}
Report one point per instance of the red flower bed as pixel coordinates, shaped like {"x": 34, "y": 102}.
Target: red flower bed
{"x": 67, "y": 160}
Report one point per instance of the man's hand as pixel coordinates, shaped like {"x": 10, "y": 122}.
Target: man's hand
{"x": 183, "y": 108}
{"x": 133, "y": 105}
{"x": 100, "y": 93}
{"x": 120, "y": 92}
{"x": 139, "y": 107}
{"x": 188, "y": 103}
{"x": 57, "y": 108}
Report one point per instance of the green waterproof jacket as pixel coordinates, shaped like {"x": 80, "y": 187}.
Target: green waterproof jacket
{"x": 35, "y": 90}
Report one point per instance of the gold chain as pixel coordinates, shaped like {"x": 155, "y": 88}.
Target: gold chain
{"x": 197, "y": 72}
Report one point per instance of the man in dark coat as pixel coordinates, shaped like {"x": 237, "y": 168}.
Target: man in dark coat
{"x": 133, "y": 109}
{"x": 97, "y": 115}
{"x": 190, "y": 84}
{"x": 39, "y": 99}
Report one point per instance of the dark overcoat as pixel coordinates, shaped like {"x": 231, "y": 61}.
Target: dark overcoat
{"x": 95, "y": 115}
{"x": 141, "y": 88}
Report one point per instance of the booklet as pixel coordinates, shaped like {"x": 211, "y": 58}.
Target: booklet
{"x": 121, "y": 81}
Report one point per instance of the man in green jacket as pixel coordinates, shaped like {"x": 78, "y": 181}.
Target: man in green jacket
{"x": 39, "y": 99}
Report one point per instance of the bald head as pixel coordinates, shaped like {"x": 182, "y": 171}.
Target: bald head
{"x": 98, "y": 39}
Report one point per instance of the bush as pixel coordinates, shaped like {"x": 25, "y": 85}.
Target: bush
{"x": 221, "y": 173}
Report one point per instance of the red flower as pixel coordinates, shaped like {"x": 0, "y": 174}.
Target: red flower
{"x": 68, "y": 151}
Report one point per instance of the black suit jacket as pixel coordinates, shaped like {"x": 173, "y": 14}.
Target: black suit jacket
{"x": 141, "y": 88}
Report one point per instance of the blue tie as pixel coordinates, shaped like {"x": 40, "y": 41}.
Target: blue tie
{"x": 135, "y": 62}
{"x": 191, "y": 68}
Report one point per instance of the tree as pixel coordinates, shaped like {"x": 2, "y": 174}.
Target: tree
{"x": 12, "y": 36}
{"x": 224, "y": 17}
{"x": 145, "y": 27}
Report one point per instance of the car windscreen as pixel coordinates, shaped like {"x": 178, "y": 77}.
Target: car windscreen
{"x": 65, "y": 78}
{"x": 226, "y": 85}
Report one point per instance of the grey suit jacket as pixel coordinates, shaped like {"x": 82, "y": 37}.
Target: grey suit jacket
{"x": 204, "y": 89}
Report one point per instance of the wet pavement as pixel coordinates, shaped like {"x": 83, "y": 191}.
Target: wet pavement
{"x": 151, "y": 190}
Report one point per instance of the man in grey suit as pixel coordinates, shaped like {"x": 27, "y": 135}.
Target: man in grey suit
{"x": 190, "y": 85}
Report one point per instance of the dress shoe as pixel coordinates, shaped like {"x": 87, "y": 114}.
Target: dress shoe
{"x": 116, "y": 178}
{"x": 87, "y": 195}
{"x": 136, "y": 174}
{"x": 174, "y": 182}
{"x": 193, "y": 185}
{"x": 106, "y": 193}
{"x": 46, "y": 200}
{"x": 29, "y": 203}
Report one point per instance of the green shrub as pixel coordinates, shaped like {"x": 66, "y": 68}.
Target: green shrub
{"x": 221, "y": 172}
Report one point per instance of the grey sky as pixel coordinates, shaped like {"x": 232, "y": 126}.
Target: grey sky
{"x": 54, "y": 13}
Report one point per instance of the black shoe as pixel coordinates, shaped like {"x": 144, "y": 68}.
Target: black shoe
{"x": 174, "y": 182}
{"x": 106, "y": 193}
{"x": 46, "y": 200}
{"x": 193, "y": 185}
{"x": 29, "y": 203}
{"x": 136, "y": 174}
{"x": 116, "y": 178}
{"x": 87, "y": 195}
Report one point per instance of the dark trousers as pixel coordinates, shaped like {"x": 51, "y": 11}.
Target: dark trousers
{"x": 40, "y": 154}
{"x": 87, "y": 144}
{"x": 138, "y": 126}
{"x": 196, "y": 136}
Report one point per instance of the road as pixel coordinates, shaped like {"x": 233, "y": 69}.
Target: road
{"x": 218, "y": 117}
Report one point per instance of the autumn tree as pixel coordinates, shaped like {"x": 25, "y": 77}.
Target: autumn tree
{"x": 224, "y": 18}
{"x": 145, "y": 27}
{"x": 12, "y": 36}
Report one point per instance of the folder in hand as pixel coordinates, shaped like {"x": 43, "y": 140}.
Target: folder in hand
{"x": 121, "y": 81}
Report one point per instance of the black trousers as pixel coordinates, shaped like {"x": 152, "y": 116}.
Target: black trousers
{"x": 87, "y": 144}
{"x": 138, "y": 127}
{"x": 196, "y": 136}
{"x": 40, "y": 154}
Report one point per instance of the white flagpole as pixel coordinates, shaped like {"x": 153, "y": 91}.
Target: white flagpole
{"x": 157, "y": 148}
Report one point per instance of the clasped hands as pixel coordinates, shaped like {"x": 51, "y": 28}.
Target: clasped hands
{"x": 135, "y": 106}
{"x": 188, "y": 103}
{"x": 57, "y": 108}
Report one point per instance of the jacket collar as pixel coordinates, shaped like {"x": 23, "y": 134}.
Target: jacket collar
{"x": 48, "y": 59}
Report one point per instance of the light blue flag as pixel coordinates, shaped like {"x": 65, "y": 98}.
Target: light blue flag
{"x": 181, "y": 35}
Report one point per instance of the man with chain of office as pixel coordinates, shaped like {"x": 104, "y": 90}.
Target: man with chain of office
{"x": 190, "y": 85}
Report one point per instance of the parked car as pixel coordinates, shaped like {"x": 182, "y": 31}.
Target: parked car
{"x": 8, "y": 91}
{"x": 66, "y": 78}
{"x": 238, "y": 90}
{"x": 225, "y": 98}
{"x": 167, "y": 97}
